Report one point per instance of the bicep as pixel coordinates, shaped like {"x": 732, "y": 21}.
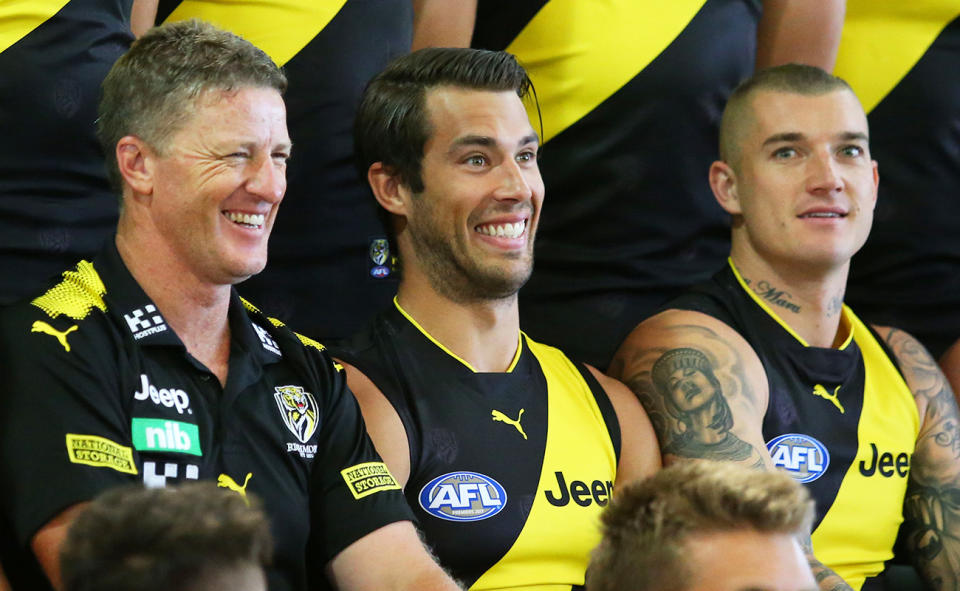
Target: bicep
{"x": 382, "y": 422}
{"x": 639, "y": 452}
{"x": 701, "y": 384}
{"x": 800, "y": 31}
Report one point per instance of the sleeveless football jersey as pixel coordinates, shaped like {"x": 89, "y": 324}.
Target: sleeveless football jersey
{"x": 508, "y": 471}
{"x": 842, "y": 421}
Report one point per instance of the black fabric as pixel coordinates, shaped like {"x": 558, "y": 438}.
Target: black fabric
{"x": 908, "y": 273}
{"x": 629, "y": 219}
{"x": 126, "y": 367}
{"x": 56, "y": 205}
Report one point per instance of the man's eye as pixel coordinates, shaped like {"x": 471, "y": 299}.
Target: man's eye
{"x": 852, "y": 151}
{"x": 784, "y": 153}
{"x": 476, "y": 160}
{"x": 526, "y": 156}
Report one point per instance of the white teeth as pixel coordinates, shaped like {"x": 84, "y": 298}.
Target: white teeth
{"x": 514, "y": 230}
{"x": 824, "y": 214}
{"x": 253, "y": 220}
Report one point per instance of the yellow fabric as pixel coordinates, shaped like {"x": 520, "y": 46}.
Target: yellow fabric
{"x": 19, "y": 17}
{"x": 890, "y": 419}
{"x": 576, "y": 437}
{"x": 281, "y": 28}
{"x": 579, "y": 53}
{"x": 80, "y": 292}
{"x": 883, "y": 39}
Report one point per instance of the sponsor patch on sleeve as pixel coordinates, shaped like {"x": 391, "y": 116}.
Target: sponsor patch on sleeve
{"x": 368, "y": 478}
{"x": 100, "y": 453}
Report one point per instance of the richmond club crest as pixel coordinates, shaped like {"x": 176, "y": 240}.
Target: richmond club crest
{"x": 298, "y": 409}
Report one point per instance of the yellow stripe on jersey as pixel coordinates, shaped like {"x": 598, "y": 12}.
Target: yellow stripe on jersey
{"x": 19, "y": 17}
{"x": 281, "y": 28}
{"x": 580, "y": 53}
{"x": 889, "y": 424}
{"x": 552, "y": 550}
{"x": 883, "y": 39}
{"x": 80, "y": 292}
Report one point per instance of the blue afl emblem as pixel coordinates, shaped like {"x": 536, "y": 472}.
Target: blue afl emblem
{"x": 802, "y": 456}
{"x": 463, "y": 496}
{"x": 380, "y": 271}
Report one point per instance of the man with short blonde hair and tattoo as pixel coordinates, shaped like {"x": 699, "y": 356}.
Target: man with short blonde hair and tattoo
{"x": 861, "y": 415}
{"x": 704, "y": 525}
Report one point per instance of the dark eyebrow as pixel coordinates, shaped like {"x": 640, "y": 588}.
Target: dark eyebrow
{"x": 487, "y": 141}
{"x": 852, "y": 136}
{"x": 533, "y": 138}
{"x": 788, "y": 136}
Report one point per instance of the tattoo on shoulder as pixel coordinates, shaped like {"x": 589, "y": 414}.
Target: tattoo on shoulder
{"x": 688, "y": 405}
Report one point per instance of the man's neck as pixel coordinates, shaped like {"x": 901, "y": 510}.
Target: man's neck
{"x": 809, "y": 300}
{"x": 484, "y": 333}
{"x": 197, "y": 312}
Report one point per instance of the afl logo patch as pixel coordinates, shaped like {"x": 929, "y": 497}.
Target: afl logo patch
{"x": 803, "y": 457}
{"x": 463, "y": 496}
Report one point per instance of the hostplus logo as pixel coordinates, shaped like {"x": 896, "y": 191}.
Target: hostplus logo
{"x": 145, "y": 321}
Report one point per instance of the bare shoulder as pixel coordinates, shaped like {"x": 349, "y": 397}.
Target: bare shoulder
{"x": 701, "y": 383}
{"x": 639, "y": 452}
{"x": 382, "y": 421}
{"x": 921, "y": 372}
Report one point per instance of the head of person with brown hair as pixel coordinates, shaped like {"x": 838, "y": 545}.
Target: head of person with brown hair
{"x": 704, "y": 526}
{"x": 194, "y": 537}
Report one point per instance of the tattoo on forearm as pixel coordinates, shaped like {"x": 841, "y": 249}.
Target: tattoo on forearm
{"x": 777, "y": 297}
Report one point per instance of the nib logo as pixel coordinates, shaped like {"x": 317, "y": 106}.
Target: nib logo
{"x": 167, "y": 436}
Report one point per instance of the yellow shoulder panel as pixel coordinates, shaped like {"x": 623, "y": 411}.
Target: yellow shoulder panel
{"x": 80, "y": 292}
{"x": 281, "y": 28}
{"x": 579, "y": 53}
{"x": 19, "y": 17}
{"x": 883, "y": 39}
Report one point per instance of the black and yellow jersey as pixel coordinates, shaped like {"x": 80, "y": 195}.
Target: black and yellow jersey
{"x": 842, "y": 421}
{"x": 508, "y": 471}
{"x": 330, "y": 268}
{"x": 901, "y": 60}
{"x": 56, "y": 205}
{"x": 631, "y": 93}
{"x": 99, "y": 391}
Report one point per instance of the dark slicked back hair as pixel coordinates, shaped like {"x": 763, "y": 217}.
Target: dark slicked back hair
{"x": 392, "y": 125}
{"x": 647, "y": 523}
{"x": 788, "y": 78}
{"x": 139, "y": 539}
{"x": 152, "y": 89}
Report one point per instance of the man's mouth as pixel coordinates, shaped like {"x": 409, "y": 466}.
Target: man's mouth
{"x": 247, "y": 220}
{"x": 508, "y": 230}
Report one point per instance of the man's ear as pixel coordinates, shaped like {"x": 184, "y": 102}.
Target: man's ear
{"x": 135, "y": 160}
{"x": 387, "y": 187}
{"x": 723, "y": 181}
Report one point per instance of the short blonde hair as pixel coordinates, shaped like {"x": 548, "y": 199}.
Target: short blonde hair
{"x": 647, "y": 523}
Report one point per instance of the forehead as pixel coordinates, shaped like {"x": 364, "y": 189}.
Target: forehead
{"x": 748, "y": 560}
{"x": 827, "y": 114}
{"x": 247, "y": 111}
{"x": 457, "y": 112}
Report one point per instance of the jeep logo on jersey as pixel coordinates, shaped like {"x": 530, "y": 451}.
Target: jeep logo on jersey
{"x": 145, "y": 322}
{"x": 463, "y": 496}
{"x": 168, "y": 397}
{"x": 802, "y": 456}
{"x": 298, "y": 409}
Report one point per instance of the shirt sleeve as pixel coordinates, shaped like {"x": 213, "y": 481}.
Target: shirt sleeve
{"x": 63, "y": 437}
{"x": 352, "y": 493}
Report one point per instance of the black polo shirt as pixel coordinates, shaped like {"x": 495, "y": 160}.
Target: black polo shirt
{"x": 99, "y": 391}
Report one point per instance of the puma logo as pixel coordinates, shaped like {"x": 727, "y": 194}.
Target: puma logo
{"x": 499, "y": 416}
{"x": 224, "y": 481}
{"x": 40, "y": 326}
{"x": 820, "y": 391}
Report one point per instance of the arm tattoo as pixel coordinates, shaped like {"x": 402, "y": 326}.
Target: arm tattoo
{"x": 932, "y": 504}
{"x": 687, "y": 404}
